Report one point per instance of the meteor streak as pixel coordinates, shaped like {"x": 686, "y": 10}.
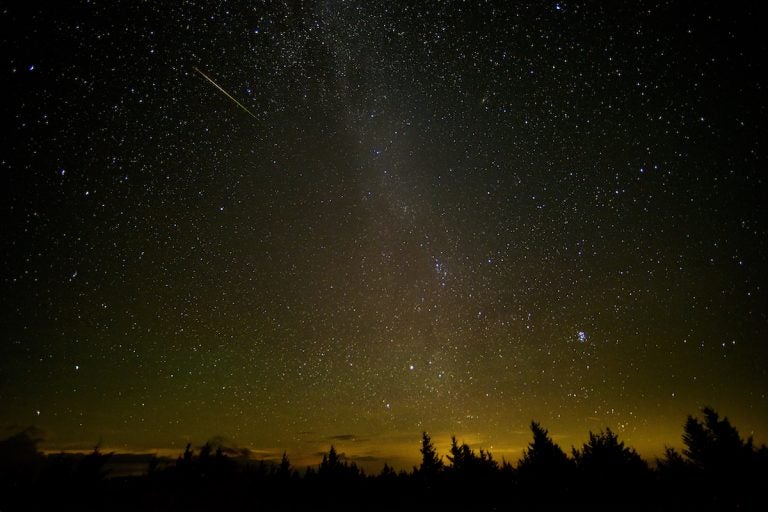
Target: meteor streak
{"x": 225, "y": 92}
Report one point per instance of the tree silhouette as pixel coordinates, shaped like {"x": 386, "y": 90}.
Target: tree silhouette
{"x": 544, "y": 464}
{"x": 604, "y": 452}
{"x": 716, "y": 470}
{"x": 431, "y": 464}
{"x": 21, "y": 465}
{"x": 204, "y": 456}
{"x": 716, "y": 458}
{"x": 542, "y": 453}
{"x": 19, "y": 457}
{"x": 387, "y": 473}
{"x": 185, "y": 460}
{"x": 465, "y": 463}
{"x": 459, "y": 456}
{"x": 672, "y": 463}
{"x": 331, "y": 463}
{"x": 333, "y": 467}
{"x": 284, "y": 470}
{"x": 714, "y": 444}
{"x": 608, "y": 469}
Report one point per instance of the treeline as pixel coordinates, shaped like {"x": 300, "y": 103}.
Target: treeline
{"x": 716, "y": 470}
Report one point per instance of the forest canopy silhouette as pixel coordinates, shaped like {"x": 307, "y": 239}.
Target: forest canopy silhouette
{"x": 716, "y": 470}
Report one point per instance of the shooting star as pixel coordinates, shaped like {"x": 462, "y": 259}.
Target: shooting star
{"x": 225, "y": 92}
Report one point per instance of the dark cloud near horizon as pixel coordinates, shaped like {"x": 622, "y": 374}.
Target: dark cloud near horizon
{"x": 229, "y": 447}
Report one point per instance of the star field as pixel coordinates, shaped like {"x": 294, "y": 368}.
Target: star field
{"x": 443, "y": 216}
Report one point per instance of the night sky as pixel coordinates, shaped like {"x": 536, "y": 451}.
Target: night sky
{"x": 402, "y": 216}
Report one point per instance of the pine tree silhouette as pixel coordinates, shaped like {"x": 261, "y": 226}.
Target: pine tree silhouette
{"x": 542, "y": 453}
{"x": 459, "y": 456}
{"x": 716, "y": 470}
{"x": 284, "y": 470}
{"x": 544, "y": 466}
{"x": 466, "y": 464}
{"x": 387, "y": 473}
{"x": 714, "y": 444}
{"x": 431, "y": 464}
{"x": 717, "y": 459}
{"x": 609, "y": 470}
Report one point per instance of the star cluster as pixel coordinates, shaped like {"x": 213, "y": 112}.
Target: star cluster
{"x": 442, "y": 216}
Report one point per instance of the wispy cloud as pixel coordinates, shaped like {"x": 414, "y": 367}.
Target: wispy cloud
{"x": 342, "y": 437}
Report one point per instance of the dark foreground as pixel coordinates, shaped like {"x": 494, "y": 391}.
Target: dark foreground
{"x": 717, "y": 470}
